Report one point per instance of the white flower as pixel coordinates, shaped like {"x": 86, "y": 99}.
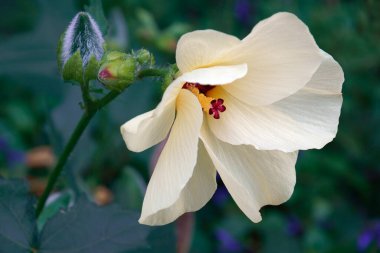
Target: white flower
{"x": 242, "y": 108}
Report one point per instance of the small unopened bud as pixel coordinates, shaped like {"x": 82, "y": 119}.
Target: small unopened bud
{"x": 144, "y": 57}
{"x": 115, "y": 55}
{"x": 117, "y": 71}
{"x": 83, "y": 35}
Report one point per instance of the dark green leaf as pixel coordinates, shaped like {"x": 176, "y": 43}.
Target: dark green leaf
{"x": 73, "y": 70}
{"x": 87, "y": 228}
{"x": 274, "y": 232}
{"x": 160, "y": 240}
{"x": 60, "y": 202}
{"x": 129, "y": 189}
{"x": 17, "y": 217}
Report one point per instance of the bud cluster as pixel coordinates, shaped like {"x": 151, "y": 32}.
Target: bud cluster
{"x": 81, "y": 49}
{"x": 82, "y": 58}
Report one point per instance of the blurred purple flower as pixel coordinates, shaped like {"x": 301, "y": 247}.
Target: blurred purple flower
{"x": 15, "y": 157}
{"x": 365, "y": 240}
{"x": 370, "y": 236}
{"x": 227, "y": 243}
{"x": 243, "y": 11}
{"x": 11, "y": 156}
{"x": 294, "y": 226}
{"x": 3, "y": 144}
{"x": 221, "y": 196}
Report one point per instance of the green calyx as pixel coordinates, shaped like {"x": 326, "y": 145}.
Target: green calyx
{"x": 169, "y": 76}
{"x": 73, "y": 70}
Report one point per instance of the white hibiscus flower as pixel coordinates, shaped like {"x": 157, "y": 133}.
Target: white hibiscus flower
{"x": 242, "y": 108}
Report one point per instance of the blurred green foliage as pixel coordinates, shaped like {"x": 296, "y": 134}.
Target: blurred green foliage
{"x": 336, "y": 199}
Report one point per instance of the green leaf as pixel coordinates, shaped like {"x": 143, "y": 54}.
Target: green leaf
{"x": 17, "y": 218}
{"x": 62, "y": 201}
{"x": 130, "y": 189}
{"x": 274, "y": 233}
{"x": 73, "y": 70}
{"x": 160, "y": 240}
{"x": 95, "y": 8}
{"x": 92, "y": 68}
{"x": 148, "y": 23}
{"x": 88, "y": 228}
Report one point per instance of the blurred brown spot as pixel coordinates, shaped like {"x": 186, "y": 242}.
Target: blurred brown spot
{"x": 40, "y": 157}
{"x": 185, "y": 225}
{"x": 37, "y": 185}
{"x": 172, "y": 45}
{"x": 103, "y": 195}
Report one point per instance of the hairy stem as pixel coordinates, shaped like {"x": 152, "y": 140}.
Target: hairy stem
{"x": 152, "y": 73}
{"x": 75, "y": 136}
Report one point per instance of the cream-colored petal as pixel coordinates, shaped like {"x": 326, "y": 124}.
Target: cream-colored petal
{"x": 254, "y": 178}
{"x": 218, "y": 75}
{"x": 152, "y": 127}
{"x": 307, "y": 119}
{"x": 196, "y": 193}
{"x": 282, "y": 56}
{"x": 329, "y": 77}
{"x": 176, "y": 163}
{"x": 200, "y": 49}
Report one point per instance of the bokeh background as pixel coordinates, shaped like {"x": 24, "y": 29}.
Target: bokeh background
{"x": 336, "y": 203}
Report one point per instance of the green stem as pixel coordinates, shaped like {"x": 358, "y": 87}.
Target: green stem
{"x": 91, "y": 107}
{"x": 81, "y": 126}
{"x": 75, "y": 136}
{"x": 152, "y": 72}
{"x": 86, "y": 94}
{"x": 106, "y": 99}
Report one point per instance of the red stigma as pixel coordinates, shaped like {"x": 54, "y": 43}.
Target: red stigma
{"x": 216, "y": 108}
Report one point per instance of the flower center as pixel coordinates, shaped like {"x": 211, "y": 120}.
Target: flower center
{"x": 209, "y": 105}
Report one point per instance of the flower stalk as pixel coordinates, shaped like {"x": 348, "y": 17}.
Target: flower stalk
{"x": 75, "y": 136}
{"x": 82, "y": 58}
{"x": 90, "y": 108}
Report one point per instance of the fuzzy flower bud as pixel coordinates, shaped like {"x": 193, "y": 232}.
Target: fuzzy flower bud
{"x": 144, "y": 57}
{"x": 117, "y": 71}
{"x": 83, "y": 35}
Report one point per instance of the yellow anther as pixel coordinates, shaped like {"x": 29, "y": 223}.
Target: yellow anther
{"x": 203, "y": 100}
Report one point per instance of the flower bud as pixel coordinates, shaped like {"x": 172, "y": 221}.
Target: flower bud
{"x": 117, "y": 71}
{"x": 83, "y": 35}
{"x": 144, "y": 57}
{"x": 114, "y": 55}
